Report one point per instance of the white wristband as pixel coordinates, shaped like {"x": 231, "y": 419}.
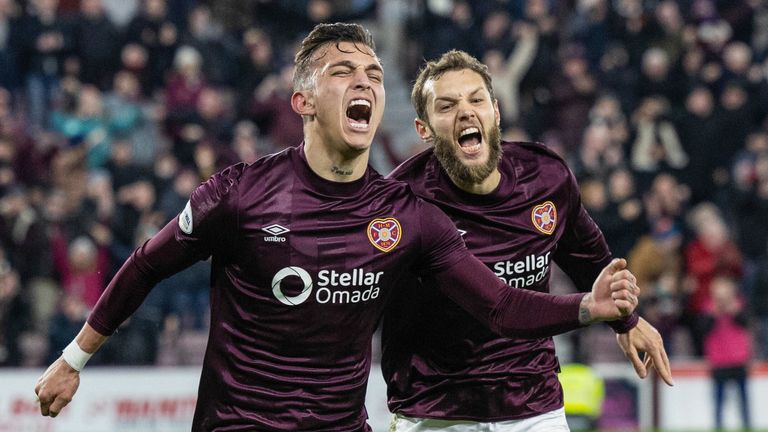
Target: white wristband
{"x": 75, "y": 356}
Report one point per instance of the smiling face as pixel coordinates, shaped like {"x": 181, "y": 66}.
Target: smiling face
{"x": 345, "y": 102}
{"x": 463, "y": 122}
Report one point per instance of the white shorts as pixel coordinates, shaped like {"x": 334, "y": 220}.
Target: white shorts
{"x": 553, "y": 421}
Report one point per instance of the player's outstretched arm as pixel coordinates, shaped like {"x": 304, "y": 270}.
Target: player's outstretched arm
{"x": 530, "y": 314}
{"x": 57, "y": 386}
{"x": 645, "y": 338}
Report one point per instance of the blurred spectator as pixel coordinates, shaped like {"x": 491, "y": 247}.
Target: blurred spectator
{"x": 14, "y": 315}
{"x": 607, "y": 112}
{"x": 25, "y": 154}
{"x": 617, "y": 74}
{"x": 496, "y": 32}
{"x": 209, "y": 159}
{"x": 121, "y": 12}
{"x": 153, "y": 30}
{"x": 23, "y": 235}
{"x": 9, "y": 31}
{"x": 738, "y": 114}
{"x": 445, "y": 26}
{"x": 164, "y": 171}
{"x": 599, "y": 154}
{"x": 84, "y": 125}
{"x": 46, "y": 40}
{"x": 728, "y": 347}
{"x": 186, "y": 82}
{"x": 627, "y": 210}
{"x": 82, "y": 266}
{"x": 748, "y": 201}
{"x": 595, "y": 199}
{"x": 701, "y": 133}
{"x": 573, "y": 93}
{"x": 214, "y": 112}
{"x": 667, "y": 30}
{"x": 507, "y": 72}
{"x": 217, "y": 49}
{"x": 133, "y": 119}
{"x": 135, "y": 211}
{"x": 656, "y": 79}
{"x": 272, "y": 112}
{"x": 738, "y": 66}
{"x": 589, "y": 26}
{"x": 711, "y": 254}
{"x": 535, "y": 91}
{"x": 656, "y": 146}
{"x": 173, "y": 199}
{"x": 24, "y": 239}
{"x": 135, "y": 59}
{"x": 255, "y": 64}
{"x": 181, "y": 98}
{"x": 246, "y": 142}
{"x": 65, "y": 324}
{"x": 96, "y": 44}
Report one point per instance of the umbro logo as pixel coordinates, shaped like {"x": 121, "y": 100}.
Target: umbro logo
{"x": 462, "y": 232}
{"x": 276, "y": 230}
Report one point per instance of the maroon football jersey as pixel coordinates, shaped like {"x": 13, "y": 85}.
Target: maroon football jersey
{"x": 438, "y": 361}
{"x": 302, "y": 270}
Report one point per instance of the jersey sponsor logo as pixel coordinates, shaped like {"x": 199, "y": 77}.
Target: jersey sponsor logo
{"x": 334, "y": 287}
{"x": 523, "y": 273}
{"x": 544, "y": 217}
{"x": 302, "y": 296}
{"x": 384, "y": 234}
{"x": 276, "y": 230}
{"x": 185, "y": 219}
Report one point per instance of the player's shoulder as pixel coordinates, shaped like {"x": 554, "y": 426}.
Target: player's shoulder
{"x": 390, "y": 187}
{"x": 414, "y": 166}
{"x": 531, "y": 149}
{"x": 535, "y": 155}
{"x": 233, "y": 177}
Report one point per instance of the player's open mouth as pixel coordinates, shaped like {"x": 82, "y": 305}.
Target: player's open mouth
{"x": 470, "y": 140}
{"x": 359, "y": 114}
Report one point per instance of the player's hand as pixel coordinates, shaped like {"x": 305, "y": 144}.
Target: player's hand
{"x": 56, "y": 387}
{"x": 645, "y": 338}
{"x": 613, "y": 296}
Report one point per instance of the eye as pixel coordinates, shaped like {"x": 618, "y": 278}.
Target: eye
{"x": 477, "y": 100}
{"x": 375, "y": 78}
{"x": 341, "y": 72}
{"x": 444, "y": 107}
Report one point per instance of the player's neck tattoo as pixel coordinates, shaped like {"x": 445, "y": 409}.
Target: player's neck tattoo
{"x": 340, "y": 171}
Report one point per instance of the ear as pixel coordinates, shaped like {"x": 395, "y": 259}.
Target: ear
{"x": 302, "y": 103}
{"x": 496, "y": 113}
{"x": 424, "y": 131}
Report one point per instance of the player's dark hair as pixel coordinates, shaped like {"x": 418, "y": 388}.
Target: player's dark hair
{"x": 322, "y": 34}
{"x": 453, "y": 60}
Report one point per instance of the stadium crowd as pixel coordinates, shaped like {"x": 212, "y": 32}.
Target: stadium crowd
{"x": 112, "y": 111}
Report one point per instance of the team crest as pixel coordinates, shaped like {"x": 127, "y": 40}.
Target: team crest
{"x": 384, "y": 234}
{"x": 544, "y": 217}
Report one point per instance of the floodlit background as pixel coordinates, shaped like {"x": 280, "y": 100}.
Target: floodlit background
{"x": 112, "y": 111}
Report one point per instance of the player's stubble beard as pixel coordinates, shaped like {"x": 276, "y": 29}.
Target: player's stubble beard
{"x": 446, "y": 154}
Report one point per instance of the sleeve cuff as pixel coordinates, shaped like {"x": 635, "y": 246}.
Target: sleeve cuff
{"x": 625, "y": 324}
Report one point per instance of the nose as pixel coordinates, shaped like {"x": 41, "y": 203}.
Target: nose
{"x": 465, "y": 111}
{"x": 362, "y": 82}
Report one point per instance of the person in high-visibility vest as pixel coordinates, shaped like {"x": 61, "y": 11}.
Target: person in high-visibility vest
{"x": 583, "y": 393}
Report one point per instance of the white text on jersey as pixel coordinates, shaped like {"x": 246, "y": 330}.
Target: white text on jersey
{"x": 525, "y": 272}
